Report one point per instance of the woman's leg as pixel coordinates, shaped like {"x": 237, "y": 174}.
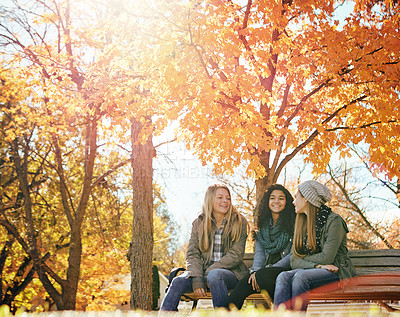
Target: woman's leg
{"x": 306, "y": 280}
{"x": 266, "y": 278}
{"x": 179, "y": 285}
{"x": 239, "y": 293}
{"x": 292, "y": 286}
{"x": 283, "y": 288}
{"x": 219, "y": 281}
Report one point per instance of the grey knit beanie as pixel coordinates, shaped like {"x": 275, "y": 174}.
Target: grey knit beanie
{"x": 315, "y": 193}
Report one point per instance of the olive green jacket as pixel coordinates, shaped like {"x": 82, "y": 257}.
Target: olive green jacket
{"x": 334, "y": 249}
{"x": 198, "y": 264}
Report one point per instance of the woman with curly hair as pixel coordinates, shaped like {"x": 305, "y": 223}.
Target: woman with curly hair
{"x": 275, "y": 222}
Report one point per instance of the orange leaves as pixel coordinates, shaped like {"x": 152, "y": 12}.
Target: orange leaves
{"x": 367, "y": 5}
{"x": 336, "y": 70}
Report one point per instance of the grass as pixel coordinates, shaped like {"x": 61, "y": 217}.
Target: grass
{"x": 361, "y": 310}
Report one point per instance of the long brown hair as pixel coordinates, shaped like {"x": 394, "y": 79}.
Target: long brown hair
{"x": 305, "y": 224}
{"x": 233, "y": 219}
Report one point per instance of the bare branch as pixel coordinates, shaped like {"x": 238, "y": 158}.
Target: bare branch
{"x": 166, "y": 142}
{"x": 110, "y": 171}
{"x": 366, "y": 125}
{"x": 358, "y": 210}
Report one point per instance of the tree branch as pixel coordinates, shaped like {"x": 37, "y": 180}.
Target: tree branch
{"x": 358, "y": 210}
{"x": 288, "y": 157}
{"x": 366, "y": 125}
{"x": 110, "y": 171}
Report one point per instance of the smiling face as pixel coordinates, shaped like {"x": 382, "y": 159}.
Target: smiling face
{"x": 222, "y": 202}
{"x": 277, "y": 201}
{"x": 300, "y": 204}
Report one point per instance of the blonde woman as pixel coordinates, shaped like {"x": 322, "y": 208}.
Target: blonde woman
{"x": 319, "y": 253}
{"x": 215, "y": 251}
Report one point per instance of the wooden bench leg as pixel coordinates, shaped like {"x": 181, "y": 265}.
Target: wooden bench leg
{"x": 194, "y": 306}
{"x": 387, "y": 306}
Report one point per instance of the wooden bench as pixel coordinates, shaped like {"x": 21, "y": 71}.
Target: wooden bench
{"x": 378, "y": 280}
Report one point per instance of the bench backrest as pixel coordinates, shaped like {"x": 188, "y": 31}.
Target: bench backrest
{"x": 372, "y": 261}
{"x": 364, "y": 261}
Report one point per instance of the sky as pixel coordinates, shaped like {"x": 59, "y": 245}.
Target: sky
{"x": 184, "y": 181}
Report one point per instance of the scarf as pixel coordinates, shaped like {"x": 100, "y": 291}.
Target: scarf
{"x": 272, "y": 238}
{"x": 321, "y": 218}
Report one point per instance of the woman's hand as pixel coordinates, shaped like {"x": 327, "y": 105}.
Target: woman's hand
{"x": 200, "y": 292}
{"x": 253, "y": 282}
{"x": 330, "y": 267}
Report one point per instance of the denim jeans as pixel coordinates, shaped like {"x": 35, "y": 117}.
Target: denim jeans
{"x": 292, "y": 286}
{"x": 219, "y": 281}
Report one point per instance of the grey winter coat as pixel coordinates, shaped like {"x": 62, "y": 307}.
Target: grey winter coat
{"x": 198, "y": 264}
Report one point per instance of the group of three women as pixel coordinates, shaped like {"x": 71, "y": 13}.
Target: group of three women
{"x": 300, "y": 245}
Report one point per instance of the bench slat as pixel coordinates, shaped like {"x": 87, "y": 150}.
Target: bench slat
{"x": 374, "y": 280}
{"x": 376, "y": 262}
{"x": 366, "y": 271}
{"x": 375, "y": 253}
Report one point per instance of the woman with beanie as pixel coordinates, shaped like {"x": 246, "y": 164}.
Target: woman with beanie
{"x": 319, "y": 253}
{"x": 215, "y": 252}
{"x": 275, "y": 223}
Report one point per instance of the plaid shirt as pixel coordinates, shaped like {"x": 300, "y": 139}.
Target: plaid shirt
{"x": 217, "y": 253}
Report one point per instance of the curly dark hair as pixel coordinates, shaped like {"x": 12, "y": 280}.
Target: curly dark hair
{"x": 287, "y": 215}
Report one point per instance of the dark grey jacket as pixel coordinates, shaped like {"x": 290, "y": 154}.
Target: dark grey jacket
{"x": 334, "y": 249}
{"x": 198, "y": 264}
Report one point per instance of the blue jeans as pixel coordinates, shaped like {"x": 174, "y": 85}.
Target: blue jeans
{"x": 292, "y": 286}
{"x": 219, "y": 281}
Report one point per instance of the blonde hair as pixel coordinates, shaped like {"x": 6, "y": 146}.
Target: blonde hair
{"x": 305, "y": 224}
{"x": 233, "y": 219}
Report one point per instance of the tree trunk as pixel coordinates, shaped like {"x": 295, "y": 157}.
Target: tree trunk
{"x": 263, "y": 183}
{"x": 141, "y": 246}
{"x": 21, "y": 168}
{"x": 261, "y": 187}
{"x": 70, "y": 287}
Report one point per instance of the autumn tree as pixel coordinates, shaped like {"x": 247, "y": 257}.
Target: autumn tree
{"x": 265, "y": 81}
{"x": 15, "y": 250}
{"x": 143, "y": 111}
{"x": 16, "y": 270}
{"x": 108, "y": 232}
{"x": 84, "y": 73}
{"x": 33, "y": 164}
{"x": 51, "y": 126}
{"x": 39, "y": 117}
